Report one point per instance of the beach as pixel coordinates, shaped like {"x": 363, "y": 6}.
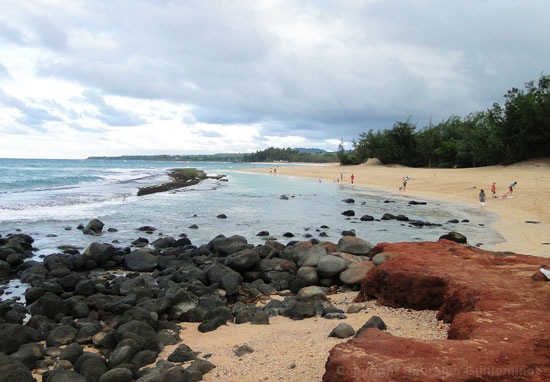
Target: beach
{"x": 529, "y": 201}
{"x": 297, "y": 350}
{"x": 291, "y": 347}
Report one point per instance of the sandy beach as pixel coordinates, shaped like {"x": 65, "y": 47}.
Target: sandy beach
{"x": 529, "y": 201}
{"x": 289, "y": 351}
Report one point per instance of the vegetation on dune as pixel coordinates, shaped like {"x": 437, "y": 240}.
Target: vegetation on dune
{"x": 289, "y": 155}
{"x": 518, "y": 130}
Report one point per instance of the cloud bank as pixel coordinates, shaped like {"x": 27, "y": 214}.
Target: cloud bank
{"x": 135, "y": 77}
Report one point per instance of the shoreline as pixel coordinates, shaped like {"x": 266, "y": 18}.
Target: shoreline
{"x": 460, "y": 186}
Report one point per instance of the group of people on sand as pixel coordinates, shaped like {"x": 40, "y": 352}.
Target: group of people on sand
{"x": 483, "y": 197}
{"x": 352, "y": 177}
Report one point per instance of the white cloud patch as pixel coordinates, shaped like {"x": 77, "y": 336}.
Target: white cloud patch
{"x": 137, "y": 76}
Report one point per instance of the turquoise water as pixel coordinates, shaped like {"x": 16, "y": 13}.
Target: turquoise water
{"x": 49, "y": 198}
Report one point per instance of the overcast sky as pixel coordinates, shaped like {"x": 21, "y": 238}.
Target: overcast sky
{"x": 114, "y": 77}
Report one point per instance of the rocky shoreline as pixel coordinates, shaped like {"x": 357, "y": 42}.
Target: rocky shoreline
{"x": 105, "y": 314}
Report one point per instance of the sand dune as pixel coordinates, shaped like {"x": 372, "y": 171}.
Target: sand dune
{"x": 529, "y": 202}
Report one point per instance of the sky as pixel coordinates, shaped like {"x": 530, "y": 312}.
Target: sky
{"x": 85, "y": 78}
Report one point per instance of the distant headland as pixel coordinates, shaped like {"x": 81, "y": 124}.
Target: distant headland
{"x": 307, "y": 155}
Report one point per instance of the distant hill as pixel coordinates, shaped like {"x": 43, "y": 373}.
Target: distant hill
{"x": 187, "y": 158}
{"x": 268, "y": 155}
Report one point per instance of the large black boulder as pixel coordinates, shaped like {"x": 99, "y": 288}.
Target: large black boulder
{"x": 229, "y": 245}
{"x": 33, "y": 273}
{"x": 49, "y": 305}
{"x": 71, "y": 353}
{"x": 183, "y": 353}
{"x": 454, "y": 236}
{"x": 28, "y": 354}
{"x": 144, "y": 357}
{"x": 141, "y": 261}
{"x": 343, "y": 330}
{"x": 299, "y": 310}
{"x": 136, "y": 328}
{"x": 5, "y": 268}
{"x": 243, "y": 260}
{"x": 95, "y": 226}
{"x": 61, "y": 335}
{"x": 118, "y": 374}
{"x": 122, "y": 354}
{"x": 91, "y": 366}
{"x": 164, "y": 242}
{"x": 12, "y": 370}
{"x": 230, "y": 282}
{"x": 98, "y": 252}
{"x": 12, "y": 336}
{"x": 63, "y": 375}
{"x": 373, "y": 322}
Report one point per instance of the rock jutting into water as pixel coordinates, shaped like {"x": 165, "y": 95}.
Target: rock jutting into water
{"x": 181, "y": 177}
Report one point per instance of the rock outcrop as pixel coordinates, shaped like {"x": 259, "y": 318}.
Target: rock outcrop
{"x": 499, "y": 318}
{"x": 181, "y": 177}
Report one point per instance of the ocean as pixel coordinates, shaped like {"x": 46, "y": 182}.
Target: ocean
{"x": 49, "y": 198}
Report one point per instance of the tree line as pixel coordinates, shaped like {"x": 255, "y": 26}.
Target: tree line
{"x": 518, "y": 130}
{"x": 272, "y": 154}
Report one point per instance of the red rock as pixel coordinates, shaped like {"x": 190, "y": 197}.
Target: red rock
{"x": 500, "y": 318}
{"x": 537, "y": 276}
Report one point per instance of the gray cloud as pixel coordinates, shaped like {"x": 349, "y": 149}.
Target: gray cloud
{"x": 109, "y": 114}
{"x": 33, "y": 117}
{"x": 48, "y": 33}
{"x": 10, "y": 34}
{"x": 209, "y": 134}
{"x": 322, "y": 69}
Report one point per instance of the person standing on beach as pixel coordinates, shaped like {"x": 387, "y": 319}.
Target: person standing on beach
{"x": 482, "y": 198}
{"x": 511, "y": 188}
{"x": 494, "y": 190}
{"x": 352, "y": 178}
{"x": 341, "y": 177}
{"x": 404, "y": 184}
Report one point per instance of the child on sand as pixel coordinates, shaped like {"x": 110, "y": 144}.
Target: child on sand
{"x": 482, "y": 198}
{"x": 352, "y": 178}
{"x": 494, "y": 190}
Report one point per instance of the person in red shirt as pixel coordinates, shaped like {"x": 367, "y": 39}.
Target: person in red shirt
{"x": 352, "y": 177}
{"x": 494, "y": 190}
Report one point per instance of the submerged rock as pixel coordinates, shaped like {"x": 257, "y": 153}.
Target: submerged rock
{"x": 95, "y": 226}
